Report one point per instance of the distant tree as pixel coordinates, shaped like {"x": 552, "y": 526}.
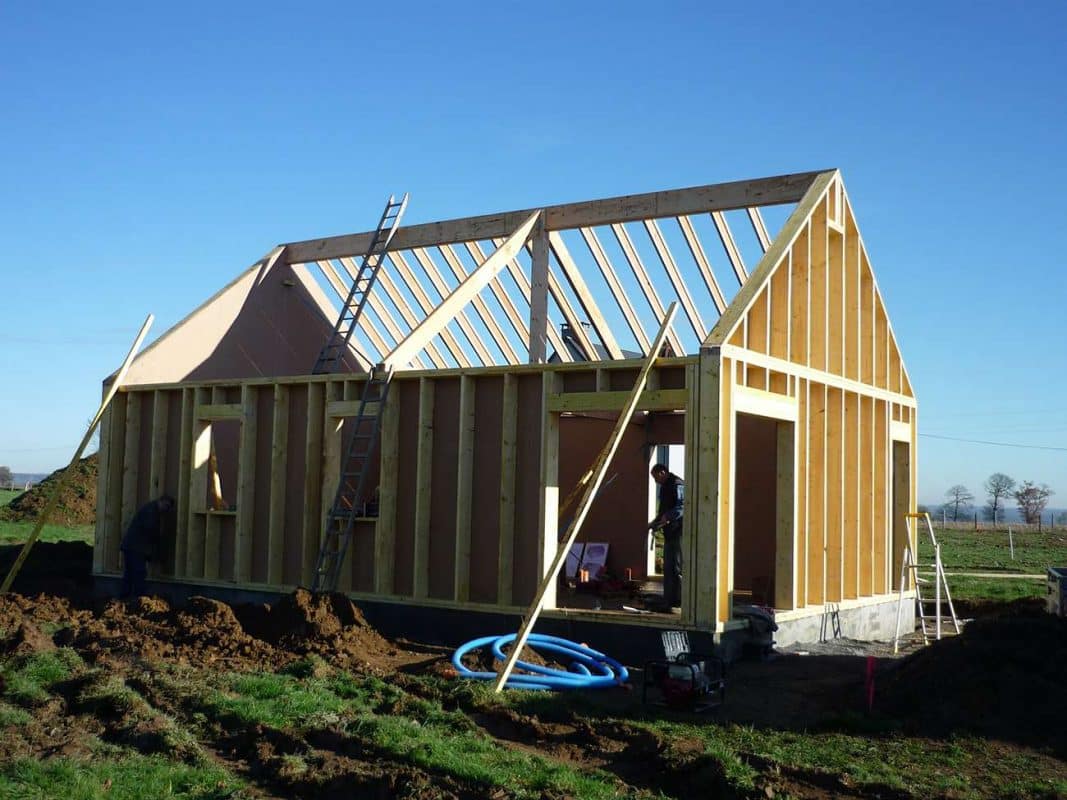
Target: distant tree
{"x": 998, "y": 486}
{"x": 1032, "y": 500}
{"x": 959, "y": 499}
{"x": 6, "y": 478}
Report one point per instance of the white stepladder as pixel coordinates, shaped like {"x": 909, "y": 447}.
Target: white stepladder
{"x": 910, "y": 568}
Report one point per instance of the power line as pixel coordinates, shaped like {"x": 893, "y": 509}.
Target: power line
{"x": 997, "y": 444}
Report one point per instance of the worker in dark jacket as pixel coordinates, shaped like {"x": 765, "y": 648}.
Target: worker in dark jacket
{"x": 669, "y": 519}
{"x": 141, "y": 543}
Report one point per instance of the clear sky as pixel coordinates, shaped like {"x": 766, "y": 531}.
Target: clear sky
{"x": 149, "y": 152}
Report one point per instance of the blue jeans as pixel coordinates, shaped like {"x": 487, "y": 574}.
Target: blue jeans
{"x": 672, "y": 563}
{"x": 134, "y": 574}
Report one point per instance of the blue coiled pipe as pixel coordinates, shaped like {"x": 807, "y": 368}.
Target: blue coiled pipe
{"x": 589, "y": 669}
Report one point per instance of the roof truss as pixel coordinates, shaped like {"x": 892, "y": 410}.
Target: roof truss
{"x": 640, "y": 253}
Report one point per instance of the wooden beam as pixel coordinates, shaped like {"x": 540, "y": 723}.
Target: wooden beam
{"x": 219, "y": 411}
{"x": 517, "y": 274}
{"x": 730, "y": 246}
{"x": 244, "y": 525}
{"x": 548, "y": 484}
{"x": 406, "y": 313}
{"x": 423, "y": 472}
{"x": 696, "y": 249}
{"x": 617, "y": 291}
{"x": 481, "y": 308}
{"x": 760, "y": 228}
{"x": 158, "y": 460}
{"x": 643, "y": 280}
{"x": 585, "y": 297}
{"x": 185, "y": 442}
{"x": 539, "y": 295}
{"x": 654, "y": 205}
{"x": 200, "y": 453}
{"x": 509, "y": 430}
{"x": 131, "y": 467}
{"x": 279, "y": 461}
{"x": 311, "y": 531}
{"x": 599, "y": 472}
{"x": 366, "y": 324}
{"x": 496, "y": 286}
{"x": 213, "y": 524}
{"x": 459, "y": 297}
{"x": 388, "y": 496}
{"x": 798, "y": 221}
{"x": 675, "y": 277}
{"x": 474, "y": 339}
{"x": 650, "y": 400}
{"x": 407, "y": 277}
{"x": 464, "y": 489}
{"x": 57, "y": 491}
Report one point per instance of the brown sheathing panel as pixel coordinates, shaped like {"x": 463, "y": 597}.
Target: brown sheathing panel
{"x": 294, "y": 487}
{"x": 407, "y": 458}
{"x": 442, "y": 551}
{"x": 485, "y": 506}
{"x": 144, "y": 450}
{"x": 755, "y": 507}
{"x": 579, "y": 381}
{"x": 619, "y": 513}
{"x": 528, "y": 468}
{"x": 172, "y": 471}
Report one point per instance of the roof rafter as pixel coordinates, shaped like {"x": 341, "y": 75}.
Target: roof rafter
{"x": 411, "y": 282}
{"x": 434, "y": 274}
{"x": 596, "y": 249}
{"x": 645, "y": 282}
{"x": 630, "y": 208}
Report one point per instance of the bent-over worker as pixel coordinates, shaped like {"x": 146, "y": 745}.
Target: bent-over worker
{"x": 669, "y": 518}
{"x": 141, "y": 543}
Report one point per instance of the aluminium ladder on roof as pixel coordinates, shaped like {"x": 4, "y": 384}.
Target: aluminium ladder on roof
{"x": 365, "y": 427}
{"x": 910, "y": 568}
{"x": 333, "y": 351}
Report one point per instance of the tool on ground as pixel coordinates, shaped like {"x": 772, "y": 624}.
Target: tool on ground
{"x": 589, "y": 668}
{"x": 683, "y": 680}
{"x": 909, "y": 569}
{"x": 61, "y": 482}
{"x": 365, "y": 427}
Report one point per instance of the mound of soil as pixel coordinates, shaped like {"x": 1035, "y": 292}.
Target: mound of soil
{"x": 327, "y": 625}
{"x": 77, "y": 503}
{"x": 1002, "y": 677}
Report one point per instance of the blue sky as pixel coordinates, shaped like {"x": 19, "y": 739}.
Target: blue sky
{"x": 151, "y": 152}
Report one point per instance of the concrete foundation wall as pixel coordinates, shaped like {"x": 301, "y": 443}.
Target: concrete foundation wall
{"x": 869, "y": 622}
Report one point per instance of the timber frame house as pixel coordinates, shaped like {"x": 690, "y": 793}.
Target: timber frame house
{"x": 515, "y": 337}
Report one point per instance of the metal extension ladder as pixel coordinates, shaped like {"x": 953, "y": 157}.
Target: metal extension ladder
{"x": 362, "y": 441}
{"x": 336, "y": 346}
{"x": 910, "y": 569}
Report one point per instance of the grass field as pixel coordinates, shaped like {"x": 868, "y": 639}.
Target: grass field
{"x": 7, "y": 495}
{"x": 17, "y": 532}
{"x": 990, "y": 552}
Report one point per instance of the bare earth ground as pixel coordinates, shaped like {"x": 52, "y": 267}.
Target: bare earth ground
{"x": 305, "y": 699}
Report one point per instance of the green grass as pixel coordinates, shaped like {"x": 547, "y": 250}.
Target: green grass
{"x": 7, "y": 495}
{"x": 11, "y": 715}
{"x": 1001, "y": 590}
{"x": 989, "y": 551}
{"x": 116, "y": 775}
{"x": 400, "y": 726}
{"x": 27, "y": 679}
{"x": 18, "y": 532}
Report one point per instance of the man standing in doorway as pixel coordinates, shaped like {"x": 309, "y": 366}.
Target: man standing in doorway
{"x": 669, "y": 519}
{"x": 141, "y": 543}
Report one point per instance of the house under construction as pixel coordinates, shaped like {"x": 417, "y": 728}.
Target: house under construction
{"x": 515, "y": 339}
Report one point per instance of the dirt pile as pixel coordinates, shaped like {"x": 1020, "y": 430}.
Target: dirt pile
{"x": 1002, "y": 677}
{"x": 327, "y": 625}
{"x": 77, "y": 503}
{"x": 203, "y": 631}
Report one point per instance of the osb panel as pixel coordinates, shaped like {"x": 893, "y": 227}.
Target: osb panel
{"x": 443, "y": 488}
{"x": 527, "y": 495}
{"x": 755, "y": 508}
{"x": 407, "y": 459}
{"x": 485, "y": 503}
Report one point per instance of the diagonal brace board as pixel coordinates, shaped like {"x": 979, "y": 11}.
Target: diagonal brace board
{"x": 599, "y": 470}
{"x": 460, "y": 296}
{"x": 61, "y": 484}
